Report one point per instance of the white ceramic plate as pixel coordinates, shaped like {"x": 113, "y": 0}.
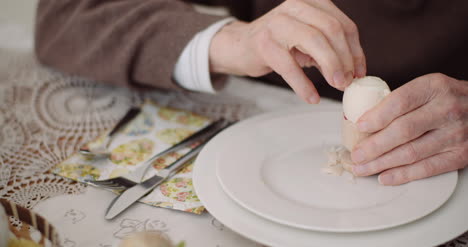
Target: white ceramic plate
{"x": 272, "y": 167}
{"x": 442, "y": 225}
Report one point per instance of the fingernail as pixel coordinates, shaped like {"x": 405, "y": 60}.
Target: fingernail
{"x": 363, "y": 126}
{"x": 360, "y": 71}
{"x": 358, "y": 156}
{"x": 360, "y": 170}
{"x": 339, "y": 78}
{"x": 314, "y": 99}
{"x": 386, "y": 179}
{"x": 349, "y": 76}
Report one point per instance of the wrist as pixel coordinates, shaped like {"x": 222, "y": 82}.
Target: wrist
{"x": 225, "y": 49}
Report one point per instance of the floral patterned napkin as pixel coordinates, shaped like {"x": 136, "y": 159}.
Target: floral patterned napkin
{"x": 155, "y": 129}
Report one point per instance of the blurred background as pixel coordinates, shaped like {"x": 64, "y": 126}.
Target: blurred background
{"x": 16, "y": 25}
{"x": 21, "y": 12}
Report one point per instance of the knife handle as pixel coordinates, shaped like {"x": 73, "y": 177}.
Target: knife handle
{"x": 174, "y": 167}
{"x": 132, "y": 113}
{"x": 203, "y": 133}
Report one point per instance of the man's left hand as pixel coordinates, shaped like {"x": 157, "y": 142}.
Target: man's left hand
{"x": 419, "y": 130}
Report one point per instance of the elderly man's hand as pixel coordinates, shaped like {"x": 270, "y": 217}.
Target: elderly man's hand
{"x": 421, "y": 130}
{"x": 296, "y": 34}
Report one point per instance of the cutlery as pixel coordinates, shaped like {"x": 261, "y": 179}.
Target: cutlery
{"x": 138, "y": 174}
{"x": 131, "y": 195}
{"x": 102, "y": 150}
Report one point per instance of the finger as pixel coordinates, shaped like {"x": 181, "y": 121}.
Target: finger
{"x": 281, "y": 61}
{"x": 432, "y": 166}
{"x": 399, "y": 102}
{"x": 351, "y": 32}
{"x": 302, "y": 59}
{"x": 402, "y": 130}
{"x": 291, "y": 33}
{"x": 429, "y": 144}
{"x": 333, "y": 31}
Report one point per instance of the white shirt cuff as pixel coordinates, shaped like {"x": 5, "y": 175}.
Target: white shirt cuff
{"x": 192, "y": 70}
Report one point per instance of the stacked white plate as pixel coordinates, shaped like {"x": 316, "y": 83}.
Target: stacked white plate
{"x": 262, "y": 178}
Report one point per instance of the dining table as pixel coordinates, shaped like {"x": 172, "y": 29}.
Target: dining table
{"x": 46, "y": 116}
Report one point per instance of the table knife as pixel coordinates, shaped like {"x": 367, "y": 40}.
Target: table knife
{"x": 131, "y": 195}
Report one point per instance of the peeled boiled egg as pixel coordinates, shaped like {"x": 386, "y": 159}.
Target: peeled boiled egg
{"x": 363, "y": 94}
{"x": 359, "y": 97}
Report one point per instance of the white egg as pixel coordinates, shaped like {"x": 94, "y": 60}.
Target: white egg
{"x": 363, "y": 94}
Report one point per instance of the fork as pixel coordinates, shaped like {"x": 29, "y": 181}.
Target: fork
{"x": 115, "y": 184}
{"x": 128, "y": 180}
{"x": 134, "y": 193}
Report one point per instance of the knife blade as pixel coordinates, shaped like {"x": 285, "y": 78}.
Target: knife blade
{"x": 131, "y": 195}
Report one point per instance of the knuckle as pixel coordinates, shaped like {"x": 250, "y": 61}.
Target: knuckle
{"x": 280, "y": 19}
{"x": 462, "y": 165}
{"x": 295, "y": 7}
{"x": 351, "y": 29}
{"x": 406, "y": 133}
{"x": 315, "y": 37}
{"x": 407, "y": 130}
{"x": 459, "y": 136}
{"x": 333, "y": 26}
{"x": 371, "y": 145}
{"x": 286, "y": 71}
{"x": 455, "y": 110}
{"x": 438, "y": 80}
{"x": 438, "y": 77}
{"x": 401, "y": 105}
{"x": 410, "y": 153}
{"x": 428, "y": 169}
{"x": 378, "y": 121}
{"x": 402, "y": 176}
{"x": 376, "y": 169}
{"x": 384, "y": 163}
{"x": 453, "y": 89}
{"x": 376, "y": 166}
{"x": 277, "y": 21}
{"x": 359, "y": 59}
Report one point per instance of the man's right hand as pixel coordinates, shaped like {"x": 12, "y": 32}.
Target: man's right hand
{"x": 296, "y": 34}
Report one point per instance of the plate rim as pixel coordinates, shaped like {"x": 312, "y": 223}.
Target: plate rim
{"x": 236, "y": 195}
{"x": 205, "y": 184}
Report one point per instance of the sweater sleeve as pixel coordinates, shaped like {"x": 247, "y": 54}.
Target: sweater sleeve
{"x": 122, "y": 42}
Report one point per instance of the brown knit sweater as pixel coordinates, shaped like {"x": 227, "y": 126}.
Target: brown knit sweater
{"x": 137, "y": 42}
